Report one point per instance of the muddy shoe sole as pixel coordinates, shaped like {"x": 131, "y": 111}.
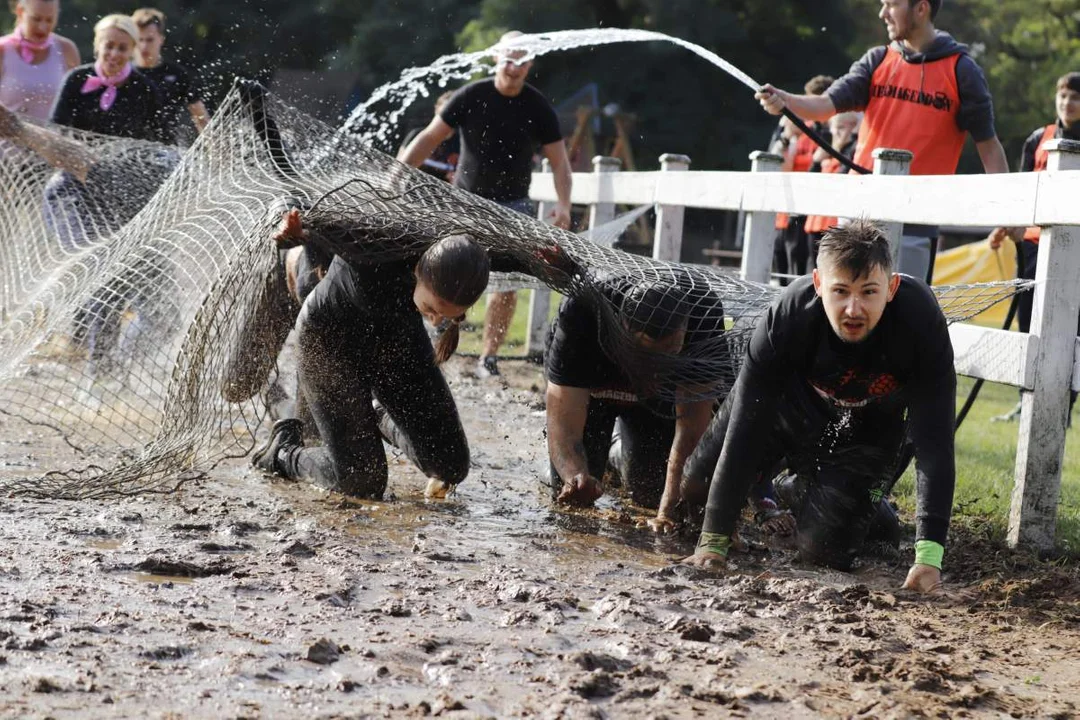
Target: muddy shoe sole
{"x": 285, "y": 433}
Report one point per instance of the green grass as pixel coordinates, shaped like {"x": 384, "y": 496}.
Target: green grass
{"x": 985, "y": 451}
{"x": 985, "y": 461}
{"x": 471, "y": 335}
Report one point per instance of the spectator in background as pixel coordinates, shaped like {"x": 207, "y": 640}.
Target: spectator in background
{"x": 923, "y": 93}
{"x": 111, "y": 97}
{"x": 34, "y": 60}
{"x": 1033, "y": 159}
{"x": 174, "y": 82}
{"x": 444, "y": 158}
{"x": 844, "y": 131}
{"x": 502, "y": 120}
{"x": 791, "y": 248}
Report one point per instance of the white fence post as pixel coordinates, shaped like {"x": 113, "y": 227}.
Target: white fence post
{"x": 667, "y": 244}
{"x": 759, "y": 228}
{"x": 539, "y": 298}
{"x": 892, "y": 162}
{"x": 1044, "y": 411}
{"x": 603, "y": 212}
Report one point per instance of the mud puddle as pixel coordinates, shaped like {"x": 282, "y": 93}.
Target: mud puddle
{"x": 243, "y": 596}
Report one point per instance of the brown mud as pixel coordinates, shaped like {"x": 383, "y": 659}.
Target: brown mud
{"x": 243, "y": 596}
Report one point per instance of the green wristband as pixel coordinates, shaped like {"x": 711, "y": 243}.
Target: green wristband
{"x": 714, "y": 543}
{"x": 928, "y": 552}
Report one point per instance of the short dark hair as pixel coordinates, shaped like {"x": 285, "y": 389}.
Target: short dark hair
{"x": 145, "y": 17}
{"x": 857, "y": 247}
{"x": 655, "y": 309}
{"x": 1069, "y": 81}
{"x": 935, "y": 6}
{"x": 818, "y": 84}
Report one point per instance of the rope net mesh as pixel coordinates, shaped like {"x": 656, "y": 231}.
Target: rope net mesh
{"x": 142, "y": 308}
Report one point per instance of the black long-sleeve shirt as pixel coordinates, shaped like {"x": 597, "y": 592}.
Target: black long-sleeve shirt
{"x": 905, "y": 365}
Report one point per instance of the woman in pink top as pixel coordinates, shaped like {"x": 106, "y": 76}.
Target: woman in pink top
{"x": 34, "y": 60}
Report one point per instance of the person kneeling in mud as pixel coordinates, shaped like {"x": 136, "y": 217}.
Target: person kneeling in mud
{"x": 828, "y": 377}
{"x": 368, "y": 372}
{"x": 607, "y": 416}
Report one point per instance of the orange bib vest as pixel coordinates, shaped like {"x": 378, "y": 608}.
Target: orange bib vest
{"x": 913, "y": 106}
{"x": 804, "y": 158}
{"x": 1041, "y": 156}
{"x": 821, "y": 223}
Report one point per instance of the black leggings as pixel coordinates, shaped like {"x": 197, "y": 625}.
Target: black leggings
{"x": 632, "y": 442}
{"x": 359, "y": 344}
{"x": 843, "y": 471}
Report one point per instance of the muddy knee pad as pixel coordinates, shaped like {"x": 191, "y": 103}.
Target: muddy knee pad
{"x": 833, "y": 522}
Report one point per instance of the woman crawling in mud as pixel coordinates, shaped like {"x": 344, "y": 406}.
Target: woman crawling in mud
{"x": 367, "y": 369}
{"x": 829, "y": 375}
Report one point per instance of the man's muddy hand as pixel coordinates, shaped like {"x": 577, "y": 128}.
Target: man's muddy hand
{"x": 290, "y": 232}
{"x": 924, "y": 579}
{"x": 580, "y": 491}
{"x": 664, "y": 523}
{"x": 706, "y": 560}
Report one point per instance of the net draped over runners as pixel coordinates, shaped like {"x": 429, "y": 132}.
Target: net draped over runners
{"x": 141, "y": 311}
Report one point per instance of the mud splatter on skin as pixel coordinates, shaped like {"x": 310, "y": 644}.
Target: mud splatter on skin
{"x": 247, "y": 596}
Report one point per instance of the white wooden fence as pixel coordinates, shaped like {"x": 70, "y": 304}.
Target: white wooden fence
{"x": 1043, "y": 362}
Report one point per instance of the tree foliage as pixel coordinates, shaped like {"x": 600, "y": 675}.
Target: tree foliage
{"x": 682, "y": 104}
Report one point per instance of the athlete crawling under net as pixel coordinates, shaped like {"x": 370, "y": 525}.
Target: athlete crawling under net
{"x": 367, "y": 370}
{"x": 604, "y": 375}
{"x": 829, "y": 374}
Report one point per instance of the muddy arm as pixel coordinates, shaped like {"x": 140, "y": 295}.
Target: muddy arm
{"x": 59, "y": 151}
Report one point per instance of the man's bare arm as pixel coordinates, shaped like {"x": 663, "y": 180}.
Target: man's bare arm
{"x": 567, "y": 408}
{"x": 425, "y": 142}
{"x": 199, "y": 115}
{"x": 56, "y": 149}
{"x": 993, "y": 156}
{"x": 560, "y": 165}
{"x": 690, "y": 423}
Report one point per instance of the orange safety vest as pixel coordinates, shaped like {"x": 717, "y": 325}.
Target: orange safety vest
{"x": 1041, "y": 156}
{"x": 913, "y": 106}
{"x": 804, "y": 158}
{"x": 821, "y": 223}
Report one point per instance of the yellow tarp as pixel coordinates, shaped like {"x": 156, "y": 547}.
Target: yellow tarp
{"x": 976, "y": 263}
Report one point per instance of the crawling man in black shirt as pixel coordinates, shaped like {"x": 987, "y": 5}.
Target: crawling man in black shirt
{"x": 841, "y": 366}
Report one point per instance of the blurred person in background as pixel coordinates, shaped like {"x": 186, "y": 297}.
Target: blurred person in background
{"x": 34, "y": 59}
{"x": 178, "y": 91}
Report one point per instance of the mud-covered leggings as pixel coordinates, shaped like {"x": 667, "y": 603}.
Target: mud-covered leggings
{"x": 843, "y": 472}
{"x": 358, "y": 344}
{"x": 632, "y": 442}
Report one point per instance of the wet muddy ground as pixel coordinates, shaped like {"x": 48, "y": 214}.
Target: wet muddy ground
{"x": 242, "y": 596}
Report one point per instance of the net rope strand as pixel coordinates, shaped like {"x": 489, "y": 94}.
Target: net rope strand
{"x": 141, "y": 310}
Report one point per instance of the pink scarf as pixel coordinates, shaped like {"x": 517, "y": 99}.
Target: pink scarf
{"x": 98, "y": 80}
{"x": 26, "y": 48}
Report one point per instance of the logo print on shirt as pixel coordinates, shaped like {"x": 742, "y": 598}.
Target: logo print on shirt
{"x": 937, "y": 101}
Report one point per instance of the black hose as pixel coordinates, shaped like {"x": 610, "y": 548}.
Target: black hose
{"x": 826, "y": 146}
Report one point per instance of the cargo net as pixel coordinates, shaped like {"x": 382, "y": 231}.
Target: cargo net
{"x": 143, "y": 304}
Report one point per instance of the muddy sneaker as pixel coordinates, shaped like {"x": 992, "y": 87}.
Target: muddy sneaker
{"x": 287, "y": 433}
{"x": 488, "y": 367}
{"x": 1010, "y": 416}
